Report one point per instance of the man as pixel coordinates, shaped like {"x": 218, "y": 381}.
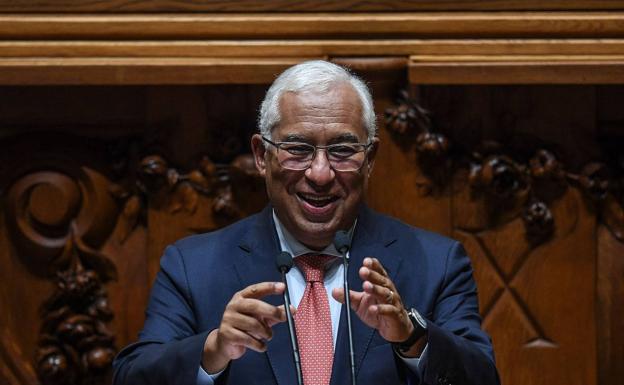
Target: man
{"x": 216, "y": 313}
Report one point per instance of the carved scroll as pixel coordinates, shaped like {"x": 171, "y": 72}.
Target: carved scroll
{"x": 57, "y": 222}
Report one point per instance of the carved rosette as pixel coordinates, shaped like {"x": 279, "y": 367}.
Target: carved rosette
{"x": 514, "y": 186}
{"x": 59, "y": 241}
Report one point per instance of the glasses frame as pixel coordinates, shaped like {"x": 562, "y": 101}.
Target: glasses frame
{"x": 278, "y": 145}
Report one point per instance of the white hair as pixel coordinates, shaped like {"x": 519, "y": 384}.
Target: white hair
{"x": 314, "y": 76}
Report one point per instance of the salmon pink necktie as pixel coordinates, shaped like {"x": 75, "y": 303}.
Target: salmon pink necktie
{"x": 313, "y": 322}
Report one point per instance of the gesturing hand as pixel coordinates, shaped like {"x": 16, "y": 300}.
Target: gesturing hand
{"x": 246, "y": 324}
{"x": 379, "y": 305}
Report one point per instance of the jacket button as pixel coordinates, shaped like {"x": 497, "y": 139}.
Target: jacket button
{"x": 442, "y": 380}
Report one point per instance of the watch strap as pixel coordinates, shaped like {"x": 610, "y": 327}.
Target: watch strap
{"x": 420, "y": 329}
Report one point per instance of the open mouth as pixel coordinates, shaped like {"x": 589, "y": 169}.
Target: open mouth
{"x": 317, "y": 200}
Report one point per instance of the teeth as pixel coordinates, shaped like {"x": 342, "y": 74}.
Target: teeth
{"x": 317, "y": 200}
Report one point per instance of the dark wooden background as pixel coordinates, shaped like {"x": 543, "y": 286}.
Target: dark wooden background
{"x": 120, "y": 133}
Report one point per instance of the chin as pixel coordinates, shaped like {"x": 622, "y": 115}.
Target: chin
{"x": 318, "y": 235}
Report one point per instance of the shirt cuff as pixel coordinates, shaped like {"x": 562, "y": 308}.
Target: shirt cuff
{"x": 205, "y": 378}
{"x": 413, "y": 363}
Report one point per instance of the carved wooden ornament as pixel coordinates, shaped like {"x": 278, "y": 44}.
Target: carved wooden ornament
{"x": 60, "y": 241}
{"x": 513, "y": 188}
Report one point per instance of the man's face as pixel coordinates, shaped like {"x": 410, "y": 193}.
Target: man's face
{"x": 315, "y": 203}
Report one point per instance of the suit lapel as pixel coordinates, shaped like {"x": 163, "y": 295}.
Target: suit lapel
{"x": 369, "y": 240}
{"x": 262, "y": 246}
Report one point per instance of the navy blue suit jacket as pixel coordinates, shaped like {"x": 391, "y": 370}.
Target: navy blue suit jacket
{"x": 200, "y": 274}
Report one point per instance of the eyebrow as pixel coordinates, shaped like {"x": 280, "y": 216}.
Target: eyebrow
{"x": 342, "y": 138}
{"x": 345, "y": 138}
{"x": 295, "y": 138}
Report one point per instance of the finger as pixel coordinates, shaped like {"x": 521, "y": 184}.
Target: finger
{"x": 374, "y": 264}
{"x": 239, "y": 337}
{"x": 271, "y": 322}
{"x": 259, "y": 309}
{"x": 250, "y": 325}
{"x": 262, "y": 289}
{"x": 382, "y": 294}
{"x": 366, "y": 274}
{"x": 354, "y": 296}
{"x": 386, "y": 310}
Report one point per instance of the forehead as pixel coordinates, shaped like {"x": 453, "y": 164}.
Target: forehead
{"x": 321, "y": 115}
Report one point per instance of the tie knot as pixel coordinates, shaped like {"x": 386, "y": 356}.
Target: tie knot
{"x": 313, "y": 266}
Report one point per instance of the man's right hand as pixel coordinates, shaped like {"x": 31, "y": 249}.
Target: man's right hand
{"x": 246, "y": 324}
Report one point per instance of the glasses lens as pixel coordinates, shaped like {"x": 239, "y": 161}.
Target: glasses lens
{"x": 295, "y": 156}
{"x": 342, "y": 157}
{"x": 346, "y": 157}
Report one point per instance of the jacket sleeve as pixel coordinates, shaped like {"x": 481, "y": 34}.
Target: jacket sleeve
{"x": 169, "y": 348}
{"x": 459, "y": 351}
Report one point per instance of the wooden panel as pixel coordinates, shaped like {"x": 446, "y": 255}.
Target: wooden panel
{"x": 326, "y": 26}
{"x": 533, "y": 296}
{"x": 610, "y": 301}
{"x": 526, "y": 283}
{"x": 77, "y": 197}
{"x": 115, "y": 71}
{"x": 59, "y": 214}
{"x": 444, "y": 48}
{"x": 493, "y": 71}
{"x": 316, "y": 48}
{"x": 397, "y": 170}
{"x": 299, "y": 6}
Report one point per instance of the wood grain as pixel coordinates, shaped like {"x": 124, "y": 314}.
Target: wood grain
{"x": 116, "y": 71}
{"x": 610, "y": 305}
{"x": 318, "y": 25}
{"x": 299, "y": 6}
{"x": 517, "y": 72}
{"x": 302, "y": 48}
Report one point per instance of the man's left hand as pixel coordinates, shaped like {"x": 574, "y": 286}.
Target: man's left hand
{"x": 379, "y": 305}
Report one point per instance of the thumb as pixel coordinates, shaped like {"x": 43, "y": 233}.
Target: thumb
{"x": 355, "y": 296}
{"x": 338, "y": 294}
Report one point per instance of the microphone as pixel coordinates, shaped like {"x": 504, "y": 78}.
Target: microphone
{"x": 342, "y": 243}
{"x": 284, "y": 263}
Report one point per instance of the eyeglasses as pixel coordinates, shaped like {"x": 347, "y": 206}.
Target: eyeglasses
{"x": 342, "y": 157}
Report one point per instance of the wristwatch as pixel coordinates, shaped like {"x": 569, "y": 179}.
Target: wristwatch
{"x": 420, "y": 329}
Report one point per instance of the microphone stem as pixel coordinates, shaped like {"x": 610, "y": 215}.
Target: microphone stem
{"x": 345, "y": 262}
{"x": 291, "y": 331}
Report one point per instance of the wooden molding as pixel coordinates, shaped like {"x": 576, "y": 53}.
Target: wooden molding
{"x": 129, "y": 71}
{"x": 317, "y": 25}
{"x": 524, "y": 70}
{"x": 80, "y": 6}
{"x": 443, "y": 47}
{"x": 310, "y": 48}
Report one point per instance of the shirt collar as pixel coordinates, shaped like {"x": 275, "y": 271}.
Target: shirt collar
{"x": 291, "y": 245}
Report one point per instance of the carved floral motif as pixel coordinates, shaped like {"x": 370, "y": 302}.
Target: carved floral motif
{"x": 176, "y": 191}
{"x": 407, "y": 116}
{"x": 507, "y": 182}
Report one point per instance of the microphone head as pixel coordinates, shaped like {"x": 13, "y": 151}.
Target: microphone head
{"x": 342, "y": 241}
{"x": 284, "y": 261}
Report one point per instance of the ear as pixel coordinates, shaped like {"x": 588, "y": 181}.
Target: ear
{"x": 372, "y": 153}
{"x": 259, "y": 151}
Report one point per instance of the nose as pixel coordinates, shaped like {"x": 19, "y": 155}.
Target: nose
{"x": 320, "y": 172}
